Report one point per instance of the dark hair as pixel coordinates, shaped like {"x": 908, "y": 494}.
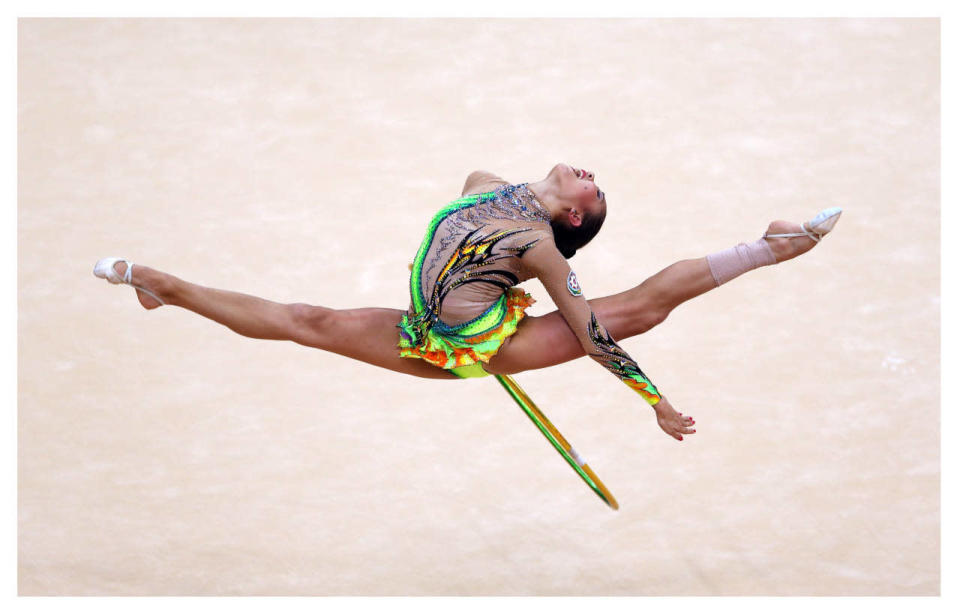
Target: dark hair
{"x": 571, "y": 238}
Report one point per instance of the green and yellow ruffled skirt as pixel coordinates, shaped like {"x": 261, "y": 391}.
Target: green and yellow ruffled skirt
{"x": 463, "y": 348}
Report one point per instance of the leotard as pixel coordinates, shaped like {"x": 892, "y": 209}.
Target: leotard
{"x": 464, "y": 302}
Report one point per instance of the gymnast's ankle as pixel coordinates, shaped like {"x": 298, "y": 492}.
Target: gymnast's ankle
{"x": 733, "y": 262}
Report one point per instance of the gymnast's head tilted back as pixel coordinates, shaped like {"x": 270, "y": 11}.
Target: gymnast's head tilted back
{"x": 580, "y": 207}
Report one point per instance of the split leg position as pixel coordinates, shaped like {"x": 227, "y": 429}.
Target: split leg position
{"x": 371, "y": 334}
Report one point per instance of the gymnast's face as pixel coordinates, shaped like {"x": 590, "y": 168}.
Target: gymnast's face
{"x": 579, "y": 192}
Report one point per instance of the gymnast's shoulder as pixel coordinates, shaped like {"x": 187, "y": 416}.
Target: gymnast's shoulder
{"x": 481, "y": 181}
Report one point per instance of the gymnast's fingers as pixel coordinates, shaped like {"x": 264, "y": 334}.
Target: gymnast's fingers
{"x": 678, "y": 431}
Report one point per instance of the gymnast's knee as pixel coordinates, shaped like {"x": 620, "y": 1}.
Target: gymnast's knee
{"x": 310, "y": 324}
{"x": 649, "y": 316}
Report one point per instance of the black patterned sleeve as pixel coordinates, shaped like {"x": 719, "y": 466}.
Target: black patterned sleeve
{"x": 561, "y": 282}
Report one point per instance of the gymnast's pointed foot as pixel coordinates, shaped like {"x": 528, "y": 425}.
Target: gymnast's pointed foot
{"x": 144, "y": 279}
{"x": 788, "y": 240}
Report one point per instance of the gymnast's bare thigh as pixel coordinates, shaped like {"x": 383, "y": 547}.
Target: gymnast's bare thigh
{"x": 369, "y": 334}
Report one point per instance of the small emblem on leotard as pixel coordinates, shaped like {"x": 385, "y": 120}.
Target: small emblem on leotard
{"x": 573, "y": 285}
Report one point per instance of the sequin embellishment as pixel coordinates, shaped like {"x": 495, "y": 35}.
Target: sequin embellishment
{"x": 573, "y": 285}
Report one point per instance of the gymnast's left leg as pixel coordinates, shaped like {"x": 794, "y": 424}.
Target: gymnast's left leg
{"x": 368, "y": 334}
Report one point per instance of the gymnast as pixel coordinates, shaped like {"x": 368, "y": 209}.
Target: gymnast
{"x": 466, "y": 315}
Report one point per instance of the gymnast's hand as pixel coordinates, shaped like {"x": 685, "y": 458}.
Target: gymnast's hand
{"x": 672, "y": 422}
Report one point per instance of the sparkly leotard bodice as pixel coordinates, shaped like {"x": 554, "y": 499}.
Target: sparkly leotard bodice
{"x": 475, "y": 250}
{"x": 472, "y": 253}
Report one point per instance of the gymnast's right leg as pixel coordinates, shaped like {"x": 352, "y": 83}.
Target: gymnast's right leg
{"x": 368, "y": 334}
{"x": 547, "y": 340}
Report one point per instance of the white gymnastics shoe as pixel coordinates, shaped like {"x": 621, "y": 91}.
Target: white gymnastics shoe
{"x": 817, "y": 227}
{"x": 104, "y": 270}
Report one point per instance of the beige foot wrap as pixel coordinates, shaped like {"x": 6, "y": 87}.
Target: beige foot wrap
{"x": 735, "y": 261}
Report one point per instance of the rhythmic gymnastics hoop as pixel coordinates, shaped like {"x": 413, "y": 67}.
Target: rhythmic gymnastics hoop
{"x": 559, "y": 442}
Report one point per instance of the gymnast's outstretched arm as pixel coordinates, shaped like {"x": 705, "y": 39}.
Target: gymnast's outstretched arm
{"x": 546, "y": 262}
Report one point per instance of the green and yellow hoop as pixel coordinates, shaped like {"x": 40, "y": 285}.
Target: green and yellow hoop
{"x": 559, "y": 442}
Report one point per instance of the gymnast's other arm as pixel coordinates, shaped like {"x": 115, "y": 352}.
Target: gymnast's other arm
{"x": 546, "y": 262}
